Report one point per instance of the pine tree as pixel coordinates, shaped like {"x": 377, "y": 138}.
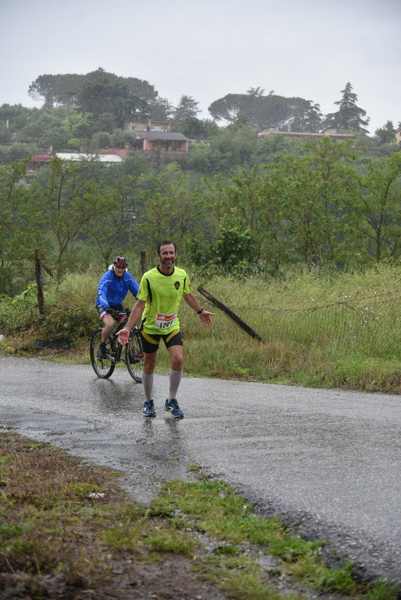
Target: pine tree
{"x": 188, "y": 108}
{"x": 350, "y": 116}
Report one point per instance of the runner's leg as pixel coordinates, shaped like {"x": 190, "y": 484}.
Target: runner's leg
{"x": 176, "y": 364}
{"x": 147, "y": 376}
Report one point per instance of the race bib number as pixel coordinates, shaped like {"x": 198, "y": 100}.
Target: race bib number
{"x": 163, "y": 321}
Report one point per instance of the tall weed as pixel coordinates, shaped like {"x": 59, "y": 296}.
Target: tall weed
{"x": 72, "y": 311}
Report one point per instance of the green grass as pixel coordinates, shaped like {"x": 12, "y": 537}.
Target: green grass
{"x": 64, "y": 521}
{"x": 215, "y": 509}
{"x": 383, "y": 590}
{"x": 162, "y": 539}
{"x": 340, "y": 330}
{"x": 241, "y": 578}
{"x": 328, "y": 330}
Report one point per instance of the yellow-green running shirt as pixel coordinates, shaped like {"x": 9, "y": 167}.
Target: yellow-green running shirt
{"x": 162, "y": 295}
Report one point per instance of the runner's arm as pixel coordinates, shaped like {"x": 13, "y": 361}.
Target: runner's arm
{"x": 133, "y": 319}
{"x": 204, "y": 315}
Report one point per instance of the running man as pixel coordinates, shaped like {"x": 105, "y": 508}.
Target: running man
{"x": 158, "y": 301}
{"x": 112, "y": 290}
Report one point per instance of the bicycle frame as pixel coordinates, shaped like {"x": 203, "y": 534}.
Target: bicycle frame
{"x": 132, "y": 354}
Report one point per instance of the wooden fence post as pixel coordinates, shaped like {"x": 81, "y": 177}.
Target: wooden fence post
{"x": 39, "y": 285}
{"x": 244, "y": 326}
{"x": 143, "y": 261}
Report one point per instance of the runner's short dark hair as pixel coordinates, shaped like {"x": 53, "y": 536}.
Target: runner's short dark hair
{"x": 165, "y": 243}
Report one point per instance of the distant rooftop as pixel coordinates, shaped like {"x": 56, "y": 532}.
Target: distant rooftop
{"x": 79, "y": 156}
{"x": 162, "y": 135}
{"x": 38, "y": 158}
{"x": 328, "y": 133}
{"x": 122, "y": 152}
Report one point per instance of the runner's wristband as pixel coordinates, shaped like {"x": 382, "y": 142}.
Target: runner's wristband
{"x": 198, "y": 312}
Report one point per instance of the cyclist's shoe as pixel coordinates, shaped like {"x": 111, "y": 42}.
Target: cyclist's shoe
{"x": 135, "y": 357}
{"x": 102, "y": 352}
{"x": 172, "y": 406}
{"x": 149, "y": 409}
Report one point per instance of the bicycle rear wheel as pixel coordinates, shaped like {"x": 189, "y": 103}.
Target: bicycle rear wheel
{"x": 103, "y": 367}
{"x": 133, "y": 356}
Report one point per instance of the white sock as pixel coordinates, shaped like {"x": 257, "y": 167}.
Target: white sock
{"x": 175, "y": 379}
{"x": 147, "y": 379}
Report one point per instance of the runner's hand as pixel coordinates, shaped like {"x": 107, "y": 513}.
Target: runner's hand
{"x": 123, "y": 336}
{"x": 206, "y": 317}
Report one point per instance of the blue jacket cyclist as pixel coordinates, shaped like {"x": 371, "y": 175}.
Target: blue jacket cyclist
{"x": 112, "y": 290}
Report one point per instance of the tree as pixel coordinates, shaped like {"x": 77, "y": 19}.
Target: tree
{"x": 106, "y": 230}
{"x": 24, "y": 235}
{"x": 255, "y": 92}
{"x": 197, "y": 129}
{"x": 160, "y": 109}
{"x": 72, "y": 197}
{"x": 226, "y": 108}
{"x": 308, "y": 214}
{"x": 101, "y": 139}
{"x": 57, "y": 89}
{"x": 65, "y": 89}
{"x": 104, "y": 93}
{"x": 185, "y": 120}
{"x": 14, "y": 116}
{"x": 170, "y": 209}
{"x": 386, "y": 134}
{"x": 187, "y": 108}
{"x": 5, "y": 135}
{"x": 380, "y": 206}
{"x": 9, "y": 176}
{"x": 307, "y": 118}
{"x": 349, "y": 117}
{"x": 234, "y": 246}
{"x": 271, "y": 111}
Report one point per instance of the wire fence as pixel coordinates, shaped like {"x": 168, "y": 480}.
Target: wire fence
{"x": 369, "y": 324}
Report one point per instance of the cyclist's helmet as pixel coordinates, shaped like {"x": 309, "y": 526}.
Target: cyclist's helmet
{"x": 120, "y": 262}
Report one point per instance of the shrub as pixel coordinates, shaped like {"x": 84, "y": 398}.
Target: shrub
{"x": 71, "y": 312}
{"x": 18, "y": 313}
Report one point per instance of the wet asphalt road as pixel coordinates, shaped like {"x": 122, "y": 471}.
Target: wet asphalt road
{"x": 327, "y": 461}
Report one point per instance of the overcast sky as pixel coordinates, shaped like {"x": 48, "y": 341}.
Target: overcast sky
{"x": 209, "y": 48}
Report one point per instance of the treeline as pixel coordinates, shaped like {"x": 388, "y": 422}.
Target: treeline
{"x": 88, "y": 112}
{"x": 325, "y": 206}
{"x": 94, "y": 111}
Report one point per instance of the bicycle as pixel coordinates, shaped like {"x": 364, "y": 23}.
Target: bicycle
{"x": 132, "y": 353}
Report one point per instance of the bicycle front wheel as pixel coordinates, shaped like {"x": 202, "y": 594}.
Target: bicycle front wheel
{"x": 103, "y": 367}
{"x": 134, "y": 356}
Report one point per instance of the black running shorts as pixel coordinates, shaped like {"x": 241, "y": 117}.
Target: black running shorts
{"x": 150, "y": 342}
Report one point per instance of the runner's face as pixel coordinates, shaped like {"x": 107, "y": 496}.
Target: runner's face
{"x": 167, "y": 255}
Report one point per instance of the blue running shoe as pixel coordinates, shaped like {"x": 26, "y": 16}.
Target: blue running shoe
{"x": 149, "y": 409}
{"x": 172, "y": 406}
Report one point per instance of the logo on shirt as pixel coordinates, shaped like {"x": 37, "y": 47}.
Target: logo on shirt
{"x": 177, "y": 285}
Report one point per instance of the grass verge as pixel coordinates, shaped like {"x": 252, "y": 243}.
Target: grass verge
{"x": 67, "y": 530}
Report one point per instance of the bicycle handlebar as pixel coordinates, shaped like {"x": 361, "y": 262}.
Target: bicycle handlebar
{"x": 119, "y": 315}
